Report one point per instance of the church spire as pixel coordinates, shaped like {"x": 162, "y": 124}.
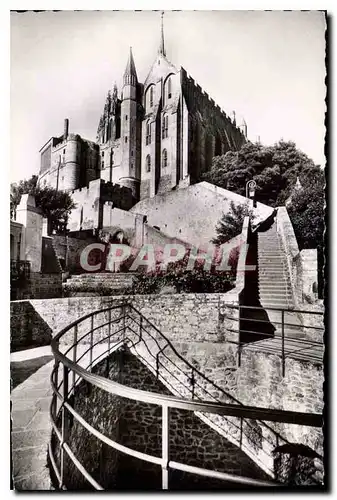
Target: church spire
{"x": 130, "y": 74}
{"x": 162, "y": 45}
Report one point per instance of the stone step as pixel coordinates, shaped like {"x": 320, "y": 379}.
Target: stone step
{"x": 273, "y": 293}
{"x": 272, "y": 275}
{"x": 272, "y": 302}
{"x": 270, "y": 265}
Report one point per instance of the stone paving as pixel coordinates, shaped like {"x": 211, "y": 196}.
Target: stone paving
{"x": 31, "y": 426}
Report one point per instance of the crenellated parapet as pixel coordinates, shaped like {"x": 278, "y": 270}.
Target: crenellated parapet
{"x": 199, "y": 100}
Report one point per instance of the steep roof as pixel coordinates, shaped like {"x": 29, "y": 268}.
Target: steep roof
{"x": 130, "y": 69}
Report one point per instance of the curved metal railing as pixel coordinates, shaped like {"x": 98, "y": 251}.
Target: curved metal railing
{"x": 121, "y": 328}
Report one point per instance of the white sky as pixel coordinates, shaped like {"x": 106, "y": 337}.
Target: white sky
{"x": 267, "y": 66}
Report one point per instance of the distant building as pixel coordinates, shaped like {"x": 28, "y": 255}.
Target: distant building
{"x": 68, "y": 162}
{"x": 156, "y": 136}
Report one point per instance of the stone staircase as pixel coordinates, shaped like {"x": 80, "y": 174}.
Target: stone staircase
{"x": 275, "y": 286}
{"x": 116, "y": 283}
{"x": 274, "y": 280}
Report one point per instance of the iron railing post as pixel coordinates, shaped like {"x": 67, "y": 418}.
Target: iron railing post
{"x": 241, "y": 431}
{"x": 283, "y": 357}
{"x": 91, "y": 341}
{"x": 140, "y": 327}
{"x": 109, "y": 331}
{"x": 192, "y": 382}
{"x": 165, "y": 446}
{"x": 63, "y": 423}
{"x": 124, "y": 313}
{"x": 75, "y": 354}
{"x": 56, "y": 382}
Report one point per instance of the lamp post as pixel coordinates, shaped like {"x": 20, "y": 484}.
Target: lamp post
{"x": 250, "y": 191}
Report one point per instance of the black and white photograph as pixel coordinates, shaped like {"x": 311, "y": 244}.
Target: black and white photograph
{"x": 168, "y": 250}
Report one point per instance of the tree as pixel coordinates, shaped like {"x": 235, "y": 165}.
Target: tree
{"x": 306, "y": 211}
{"x": 230, "y": 224}
{"x": 275, "y": 170}
{"x": 55, "y": 205}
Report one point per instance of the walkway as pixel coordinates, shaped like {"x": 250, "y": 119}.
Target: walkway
{"x": 30, "y": 425}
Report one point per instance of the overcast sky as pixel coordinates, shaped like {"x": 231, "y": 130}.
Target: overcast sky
{"x": 267, "y": 66}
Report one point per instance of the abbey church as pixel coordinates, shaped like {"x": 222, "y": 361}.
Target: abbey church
{"x": 152, "y": 138}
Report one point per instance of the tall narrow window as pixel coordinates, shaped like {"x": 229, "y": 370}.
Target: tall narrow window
{"x": 169, "y": 88}
{"x": 126, "y": 139}
{"x": 102, "y": 165}
{"x": 165, "y": 126}
{"x": 148, "y": 133}
{"x": 151, "y": 97}
{"x": 109, "y": 129}
{"x": 148, "y": 163}
{"x": 164, "y": 158}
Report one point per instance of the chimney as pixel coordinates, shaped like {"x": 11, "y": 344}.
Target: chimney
{"x": 66, "y": 129}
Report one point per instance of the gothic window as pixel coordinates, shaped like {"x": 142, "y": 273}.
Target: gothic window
{"x": 169, "y": 88}
{"x": 126, "y": 117}
{"x": 109, "y": 129}
{"x": 131, "y": 153}
{"x": 164, "y": 159}
{"x": 151, "y": 97}
{"x": 118, "y": 127}
{"x": 64, "y": 151}
{"x": 148, "y": 163}
{"x": 102, "y": 154}
{"x": 148, "y": 133}
{"x": 102, "y": 165}
{"x": 165, "y": 126}
{"x": 126, "y": 139}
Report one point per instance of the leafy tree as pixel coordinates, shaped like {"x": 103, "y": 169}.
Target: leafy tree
{"x": 55, "y": 205}
{"x": 306, "y": 211}
{"x": 275, "y": 170}
{"x": 230, "y": 224}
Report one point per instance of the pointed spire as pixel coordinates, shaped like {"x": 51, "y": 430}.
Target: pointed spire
{"x": 162, "y": 44}
{"x": 130, "y": 74}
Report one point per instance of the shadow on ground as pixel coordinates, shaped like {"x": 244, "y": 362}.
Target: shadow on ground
{"x": 21, "y": 370}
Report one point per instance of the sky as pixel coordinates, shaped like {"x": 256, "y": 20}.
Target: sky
{"x": 267, "y": 66}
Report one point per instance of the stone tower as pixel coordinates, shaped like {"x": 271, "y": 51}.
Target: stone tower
{"x": 130, "y": 168}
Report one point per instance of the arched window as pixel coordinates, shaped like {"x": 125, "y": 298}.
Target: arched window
{"x": 148, "y": 133}
{"x": 151, "y": 97}
{"x": 102, "y": 165}
{"x": 148, "y": 163}
{"x": 169, "y": 88}
{"x": 165, "y": 126}
{"x": 164, "y": 158}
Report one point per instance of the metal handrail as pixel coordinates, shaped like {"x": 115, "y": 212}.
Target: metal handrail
{"x": 166, "y": 401}
{"x": 301, "y": 311}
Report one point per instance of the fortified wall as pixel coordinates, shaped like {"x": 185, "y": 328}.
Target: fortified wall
{"x": 191, "y": 214}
